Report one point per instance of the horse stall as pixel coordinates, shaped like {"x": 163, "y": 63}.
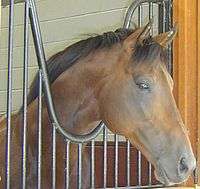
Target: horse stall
{"x": 38, "y": 151}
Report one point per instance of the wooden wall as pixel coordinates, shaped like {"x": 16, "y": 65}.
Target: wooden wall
{"x": 198, "y": 90}
{"x": 186, "y": 68}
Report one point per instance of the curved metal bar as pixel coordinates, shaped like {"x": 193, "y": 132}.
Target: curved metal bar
{"x": 130, "y": 11}
{"x": 132, "y": 8}
{"x": 47, "y": 91}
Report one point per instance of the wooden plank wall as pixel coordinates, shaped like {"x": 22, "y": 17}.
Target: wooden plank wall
{"x": 198, "y": 92}
{"x": 186, "y": 66}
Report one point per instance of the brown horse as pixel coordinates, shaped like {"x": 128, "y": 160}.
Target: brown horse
{"x": 120, "y": 78}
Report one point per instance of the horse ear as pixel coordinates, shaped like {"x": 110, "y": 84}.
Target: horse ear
{"x": 138, "y": 36}
{"x": 165, "y": 39}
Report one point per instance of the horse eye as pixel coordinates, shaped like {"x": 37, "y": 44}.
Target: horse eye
{"x": 143, "y": 86}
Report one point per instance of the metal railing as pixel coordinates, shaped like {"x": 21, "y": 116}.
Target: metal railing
{"x": 31, "y": 14}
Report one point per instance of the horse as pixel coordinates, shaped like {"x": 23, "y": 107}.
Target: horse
{"x": 119, "y": 77}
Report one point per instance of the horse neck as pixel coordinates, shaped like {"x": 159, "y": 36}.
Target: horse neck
{"x": 75, "y": 92}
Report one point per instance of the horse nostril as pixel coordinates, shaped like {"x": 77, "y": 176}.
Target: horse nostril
{"x": 183, "y": 167}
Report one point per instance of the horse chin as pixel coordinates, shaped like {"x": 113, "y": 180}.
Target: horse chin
{"x": 162, "y": 177}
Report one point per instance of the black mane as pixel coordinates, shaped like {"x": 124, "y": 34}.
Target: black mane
{"x": 63, "y": 60}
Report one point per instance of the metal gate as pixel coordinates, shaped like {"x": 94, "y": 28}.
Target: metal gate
{"x": 163, "y": 21}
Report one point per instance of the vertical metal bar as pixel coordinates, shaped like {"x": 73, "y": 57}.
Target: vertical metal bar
{"x": 128, "y": 163}
{"x": 160, "y": 18}
{"x": 171, "y": 47}
{"x": 25, "y": 92}
{"x": 39, "y": 131}
{"x": 67, "y": 165}
{"x": 151, "y": 14}
{"x": 167, "y": 15}
{"x": 150, "y": 10}
{"x": 92, "y": 164}
{"x": 164, "y": 16}
{"x": 139, "y": 168}
{"x": 0, "y": 12}
{"x": 140, "y": 10}
{"x": 116, "y": 160}
{"x": 195, "y": 173}
{"x": 139, "y": 153}
{"x": 105, "y": 157}
{"x": 169, "y": 26}
{"x": 80, "y": 145}
{"x": 9, "y": 92}
{"x": 166, "y": 28}
{"x": 150, "y": 175}
{"x": 54, "y": 160}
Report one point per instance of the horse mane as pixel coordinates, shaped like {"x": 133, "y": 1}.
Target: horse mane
{"x": 63, "y": 60}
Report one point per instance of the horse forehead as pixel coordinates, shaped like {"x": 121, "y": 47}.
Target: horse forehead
{"x": 158, "y": 72}
{"x": 146, "y": 69}
{"x": 166, "y": 75}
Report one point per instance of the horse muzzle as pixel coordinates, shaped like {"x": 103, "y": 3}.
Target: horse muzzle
{"x": 184, "y": 168}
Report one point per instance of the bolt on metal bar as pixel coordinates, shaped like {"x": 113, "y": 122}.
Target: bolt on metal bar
{"x": 54, "y": 160}
{"x": 25, "y": 92}
{"x": 92, "y": 164}
{"x": 116, "y": 160}
{"x": 105, "y": 157}
{"x": 139, "y": 170}
{"x": 39, "y": 167}
{"x": 47, "y": 91}
{"x": 80, "y": 165}
{"x": 67, "y": 165}
{"x": 128, "y": 146}
{"x": 9, "y": 93}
